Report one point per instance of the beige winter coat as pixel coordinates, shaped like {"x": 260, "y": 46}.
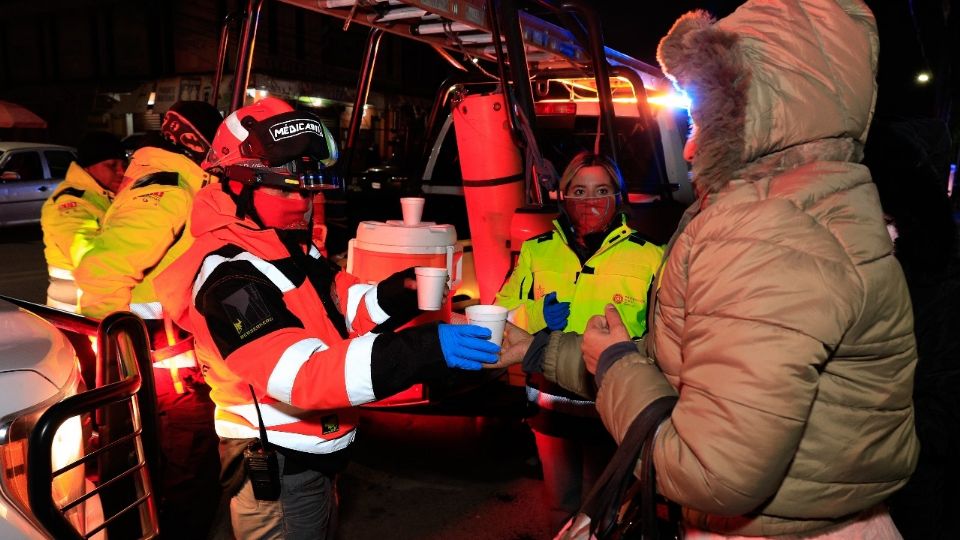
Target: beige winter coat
{"x": 782, "y": 318}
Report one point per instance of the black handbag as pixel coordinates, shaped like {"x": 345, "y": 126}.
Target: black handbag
{"x": 621, "y": 506}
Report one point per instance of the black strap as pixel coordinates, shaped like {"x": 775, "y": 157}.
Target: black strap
{"x": 604, "y": 501}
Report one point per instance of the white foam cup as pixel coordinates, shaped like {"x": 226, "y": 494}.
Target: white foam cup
{"x": 412, "y": 210}
{"x": 430, "y": 284}
{"x": 492, "y": 317}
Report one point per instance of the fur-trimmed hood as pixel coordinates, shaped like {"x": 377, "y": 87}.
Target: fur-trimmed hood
{"x": 762, "y": 84}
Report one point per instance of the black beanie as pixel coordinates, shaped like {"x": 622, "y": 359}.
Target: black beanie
{"x": 99, "y": 146}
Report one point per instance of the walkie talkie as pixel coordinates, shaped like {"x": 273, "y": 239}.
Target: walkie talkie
{"x": 260, "y": 462}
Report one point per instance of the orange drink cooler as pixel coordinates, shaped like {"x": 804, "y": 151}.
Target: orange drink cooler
{"x": 381, "y": 249}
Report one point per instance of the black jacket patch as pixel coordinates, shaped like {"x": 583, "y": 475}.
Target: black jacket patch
{"x": 637, "y": 239}
{"x": 241, "y": 305}
{"x": 72, "y": 191}
{"x": 158, "y": 179}
{"x": 545, "y": 237}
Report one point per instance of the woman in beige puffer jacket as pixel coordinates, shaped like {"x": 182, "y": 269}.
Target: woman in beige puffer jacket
{"x": 782, "y": 319}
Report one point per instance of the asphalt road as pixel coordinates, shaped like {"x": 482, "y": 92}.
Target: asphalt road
{"x": 413, "y": 476}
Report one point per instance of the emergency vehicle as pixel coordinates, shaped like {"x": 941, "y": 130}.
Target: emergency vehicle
{"x": 532, "y": 92}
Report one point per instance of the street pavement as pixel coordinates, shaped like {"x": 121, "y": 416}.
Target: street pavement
{"x": 412, "y": 476}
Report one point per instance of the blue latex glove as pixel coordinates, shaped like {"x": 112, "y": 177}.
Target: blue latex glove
{"x": 555, "y": 313}
{"x": 465, "y": 346}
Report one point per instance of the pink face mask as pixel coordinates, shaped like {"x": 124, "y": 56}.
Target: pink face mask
{"x": 590, "y": 214}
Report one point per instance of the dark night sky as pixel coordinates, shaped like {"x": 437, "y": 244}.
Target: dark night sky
{"x": 901, "y": 36}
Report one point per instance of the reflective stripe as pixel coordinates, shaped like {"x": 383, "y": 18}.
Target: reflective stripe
{"x": 182, "y": 360}
{"x": 280, "y": 383}
{"x": 377, "y": 314}
{"x": 62, "y": 306}
{"x": 293, "y": 441}
{"x": 314, "y": 252}
{"x": 354, "y": 294}
{"x": 270, "y": 271}
{"x": 147, "y": 310}
{"x": 60, "y": 273}
{"x": 561, "y": 404}
{"x": 356, "y": 370}
{"x": 236, "y": 129}
{"x": 274, "y": 414}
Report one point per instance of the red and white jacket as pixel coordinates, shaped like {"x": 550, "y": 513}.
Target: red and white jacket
{"x": 292, "y": 326}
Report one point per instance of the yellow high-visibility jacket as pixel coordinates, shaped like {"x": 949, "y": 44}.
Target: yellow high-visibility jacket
{"x": 70, "y": 219}
{"x": 145, "y": 229}
{"x": 619, "y": 273}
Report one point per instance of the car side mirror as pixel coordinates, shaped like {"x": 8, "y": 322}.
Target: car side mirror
{"x": 9, "y": 175}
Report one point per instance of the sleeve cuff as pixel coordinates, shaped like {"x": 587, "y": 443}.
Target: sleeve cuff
{"x": 610, "y": 356}
{"x": 533, "y": 360}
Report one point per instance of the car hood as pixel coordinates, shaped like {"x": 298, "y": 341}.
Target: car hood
{"x": 36, "y": 360}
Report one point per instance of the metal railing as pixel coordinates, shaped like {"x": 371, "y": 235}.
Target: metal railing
{"x": 125, "y": 408}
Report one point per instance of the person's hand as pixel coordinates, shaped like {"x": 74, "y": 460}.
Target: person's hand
{"x": 555, "y": 313}
{"x": 465, "y": 346}
{"x": 602, "y": 331}
{"x": 515, "y": 345}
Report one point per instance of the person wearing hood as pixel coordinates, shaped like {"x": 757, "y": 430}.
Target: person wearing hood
{"x": 781, "y": 320}
{"x": 289, "y": 343}
{"x": 72, "y": 215}
{"x": 143, "y": 231}
{"x": 562, "y": 278}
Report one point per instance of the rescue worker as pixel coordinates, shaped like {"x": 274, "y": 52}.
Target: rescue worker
{"x": 561, "y": 279}
{"x": 143, "y": 231}
{"x": 72, "y": 216}
{"x": 289, "y": 343}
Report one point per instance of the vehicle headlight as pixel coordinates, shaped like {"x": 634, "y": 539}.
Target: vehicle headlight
{"x": 15, "y": 429}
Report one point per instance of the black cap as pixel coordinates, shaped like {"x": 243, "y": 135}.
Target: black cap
{"x": 99, "y": 146}
{"x": 191, "y": 125}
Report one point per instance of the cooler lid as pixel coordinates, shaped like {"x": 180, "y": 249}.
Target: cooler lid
{"x": 395, "y": 233}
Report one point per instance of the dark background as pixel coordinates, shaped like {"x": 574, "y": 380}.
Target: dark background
{"x": 68, "y": 60}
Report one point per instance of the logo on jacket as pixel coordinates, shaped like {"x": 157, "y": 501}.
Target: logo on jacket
{"x": 331, "y": 424}
{"x": 247, "y": 310}
{"x": 67, "y": 206}
{"x": 292, "y": 128}
{"x": 617, "y": 298}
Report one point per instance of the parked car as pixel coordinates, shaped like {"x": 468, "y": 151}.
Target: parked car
{"x": 29, "y": 172}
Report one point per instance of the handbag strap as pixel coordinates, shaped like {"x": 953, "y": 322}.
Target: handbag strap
{"x": 603, "y": 503}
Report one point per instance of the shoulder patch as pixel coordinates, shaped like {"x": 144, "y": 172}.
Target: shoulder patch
{"x": 158, "y": 179}
{"x": 545, "y": 237}
{"x": 71, "y": 191}
{"x": 240, "y": 306}
{"x": 636, "y": 238}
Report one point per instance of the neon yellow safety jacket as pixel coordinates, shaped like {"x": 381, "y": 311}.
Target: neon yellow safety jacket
{"x": 145, "y": 229}
{"x": 70, "y": 219}
{"x": 620, "y": 272}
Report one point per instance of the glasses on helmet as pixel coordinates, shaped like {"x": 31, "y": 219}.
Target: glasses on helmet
{"x": 303, "y": 174}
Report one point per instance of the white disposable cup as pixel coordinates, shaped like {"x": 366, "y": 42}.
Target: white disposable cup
{"x": 412, "y": 210}
{"x": 492, "y": 317}
{"x": 430, "y": 284}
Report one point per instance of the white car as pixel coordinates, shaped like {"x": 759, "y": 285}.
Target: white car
{"x": 55, "y": 478}
{"x": 29, "y": 172}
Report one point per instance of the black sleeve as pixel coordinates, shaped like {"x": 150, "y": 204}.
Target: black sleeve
{"x": 533, "y": 359}
{"x": 403, "y": 358}
{"x": 240, "y": 305}
{"x": 399, "y": 302}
